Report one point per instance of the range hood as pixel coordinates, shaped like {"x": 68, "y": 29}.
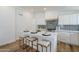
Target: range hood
{"x": 51, "y": 24}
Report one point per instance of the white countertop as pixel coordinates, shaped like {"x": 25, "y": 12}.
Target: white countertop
{"x": 39, "y": 34}
{"x": 67, "y": 31}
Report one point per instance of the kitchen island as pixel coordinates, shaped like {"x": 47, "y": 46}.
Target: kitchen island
{"x": 51, "y": 36}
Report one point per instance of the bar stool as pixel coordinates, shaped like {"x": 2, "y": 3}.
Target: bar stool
{"x": 21, "y": 42}
{"x": 44, "y": 43}
{"x": 31, "y": 40}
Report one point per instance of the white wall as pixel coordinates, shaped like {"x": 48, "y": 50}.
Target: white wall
{"x": 7, "y": 25}
{"x": 24, "y": 21}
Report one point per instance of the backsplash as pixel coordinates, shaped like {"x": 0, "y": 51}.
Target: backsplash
{"x": 69, "y": 27}
{"x": 51, "y": 24}
{"x": 42, "y": 26}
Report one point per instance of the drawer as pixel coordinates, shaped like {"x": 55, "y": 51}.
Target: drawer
{"x": 69, "y": 37}
{"x": 74, "y": 38}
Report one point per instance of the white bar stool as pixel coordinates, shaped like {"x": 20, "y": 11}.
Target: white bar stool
{"x": 31, "y": 40}
{"x": 44, "y": 43}
{"x": 21, "y": 42}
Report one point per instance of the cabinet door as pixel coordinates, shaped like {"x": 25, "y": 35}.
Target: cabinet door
{"x": 61, "y": 20}
{"x": 64, "y": 20}
{"x": 68, "y": 19}
{"x": 78, "y": 39}
{"x": 40, "y": 19}
{"x": 78, "y": 19}
{"x": 64, "y": 37}
{"x": 74, "y": 39}
{"x": 73, "y": 19}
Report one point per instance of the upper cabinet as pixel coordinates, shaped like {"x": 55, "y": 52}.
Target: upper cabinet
{"x": 64, "y": 20}
{"x": 68, "y": 19}
{"x": 40, "y": 18}
{"x": 78, "y": 19}
{"x": 73, "y": 19}
{"x": 50, "y": 15}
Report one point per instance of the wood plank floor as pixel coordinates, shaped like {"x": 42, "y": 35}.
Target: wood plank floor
{"x": 14, "y": 47}
{"x": 62, "y": 47}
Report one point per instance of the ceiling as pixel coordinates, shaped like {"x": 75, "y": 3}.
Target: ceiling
{"x": 53, "y": 8}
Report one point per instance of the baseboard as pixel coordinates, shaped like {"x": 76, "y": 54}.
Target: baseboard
{"x": 7, "y": 44}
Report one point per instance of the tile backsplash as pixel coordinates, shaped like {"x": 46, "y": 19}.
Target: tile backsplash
{"x": 69, "y": 27}
{"x": 42, "y": 26}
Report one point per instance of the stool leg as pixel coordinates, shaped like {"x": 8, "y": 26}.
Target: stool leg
{"x": 42, "y": 48}
{"x": 50, "y": 46}
{"x": 32, "y": 45}
{"x": 46, "y": 49}
{"x": 19, "y": 43}
{"x": 26, "y": 45}
{"x": 22, "y": 40}
{"x": 37, "y": 45}
{"x": 23, "y": 43}
{"x": 29, "y": 45}
{"x": 26, "y": 42}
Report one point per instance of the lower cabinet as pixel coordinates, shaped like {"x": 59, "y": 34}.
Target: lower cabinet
{"x": 74, "y": 38}
{"x": 69, "y": 38}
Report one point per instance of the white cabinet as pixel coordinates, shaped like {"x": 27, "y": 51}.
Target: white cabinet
{"x": 64, "y": 37}
{"x": 60, "y": 21}
{"x": 78, "y": 19}
{"x": 74, "y": 38}
{"x": 50, "y": 15}
{"x": 40, "y": 19}
{"x": 64, "y": 20}
{"x": 68, "y": 19}
{"x": 73, "y": 19}
{"x": 69, "y": 38}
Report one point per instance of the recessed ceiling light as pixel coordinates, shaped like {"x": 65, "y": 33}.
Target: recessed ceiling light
{"x": 45, "y": 8}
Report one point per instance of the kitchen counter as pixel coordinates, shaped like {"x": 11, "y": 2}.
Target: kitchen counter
{"x": 67, "y": 31}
